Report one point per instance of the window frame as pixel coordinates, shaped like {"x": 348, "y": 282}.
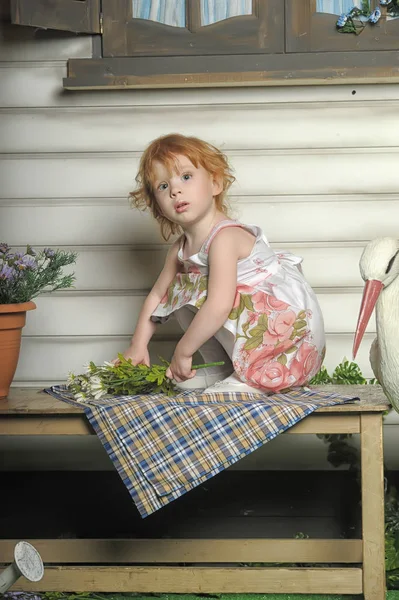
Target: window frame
{"x": 310, "y": 31}
{"x": 259, "y": 33}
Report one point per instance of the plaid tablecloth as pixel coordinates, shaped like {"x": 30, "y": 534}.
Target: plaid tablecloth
{"x": 163, "y": 447}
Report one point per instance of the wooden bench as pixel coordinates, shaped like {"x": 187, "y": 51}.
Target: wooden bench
{"x": 147, "y": 565}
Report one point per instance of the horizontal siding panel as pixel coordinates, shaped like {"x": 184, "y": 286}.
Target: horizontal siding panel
{"x": 227, "y": 126}
{"x": 62, "y": 355}
{"x": 34, "y": 44}
{"x": 282, "y": 222}
{"x": 124, "y": 269}
{"x": 44, "y": 81}
{"x": 63, "y": 314}
{"x": 257, "y": 173}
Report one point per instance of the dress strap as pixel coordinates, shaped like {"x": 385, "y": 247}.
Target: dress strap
{"x": 215, "y": 230}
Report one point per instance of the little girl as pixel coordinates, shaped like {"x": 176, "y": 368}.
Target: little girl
{"x": 235, "y": 298}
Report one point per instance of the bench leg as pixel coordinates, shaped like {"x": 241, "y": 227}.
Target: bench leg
{"x": 372, "y": 473}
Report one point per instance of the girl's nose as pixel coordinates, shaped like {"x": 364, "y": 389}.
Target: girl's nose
{"x": 174, "y": 189}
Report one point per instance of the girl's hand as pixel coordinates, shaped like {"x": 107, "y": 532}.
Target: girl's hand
{"x": 139, "y": 356}
{"x": 180, "y": 367}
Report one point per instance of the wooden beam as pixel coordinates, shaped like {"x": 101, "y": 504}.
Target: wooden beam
{"x": 45, "y": 425}
{"x": 245, "y": 70}
{"x": 183, "y": 580}
{"x": 81, "y": 16}
{"x": 79, "y": 425}
{"x": 114, "y": 551}
{"x": 372, "y": 479}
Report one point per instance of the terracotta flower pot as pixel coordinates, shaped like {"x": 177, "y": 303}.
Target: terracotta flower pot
{"x": 12, "y": 319}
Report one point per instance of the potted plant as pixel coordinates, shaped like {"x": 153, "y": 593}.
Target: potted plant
{"x": 23, "y": 276}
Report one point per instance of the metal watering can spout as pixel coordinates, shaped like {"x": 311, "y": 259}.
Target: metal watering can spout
{"x": 27, "y": 562}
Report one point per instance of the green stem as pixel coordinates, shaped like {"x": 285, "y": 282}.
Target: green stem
{"x": 204, "y": 366}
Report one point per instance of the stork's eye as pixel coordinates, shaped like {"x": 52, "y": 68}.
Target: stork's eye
{"x": 389, "y": 267}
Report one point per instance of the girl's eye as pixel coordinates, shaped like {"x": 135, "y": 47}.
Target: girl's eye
{"x": 186, "y": 176}
{"x": 163, "y": 187}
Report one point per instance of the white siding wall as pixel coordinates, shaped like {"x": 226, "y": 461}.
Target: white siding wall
{"x": 316, "y": 167}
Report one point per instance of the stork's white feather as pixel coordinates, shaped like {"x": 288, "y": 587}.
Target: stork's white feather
{"x": 380, "y": 261}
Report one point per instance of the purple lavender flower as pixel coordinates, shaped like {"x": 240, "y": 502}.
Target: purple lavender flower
{"x": 4, "y": 248}
{"x": 7, "y": 273}
{"x": 25, "y": 262}
{"x": 48, "y": 253}
{"x": 30, "y": 262}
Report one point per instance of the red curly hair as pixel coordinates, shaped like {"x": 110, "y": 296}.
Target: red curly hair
{"x": 164, "y": 150}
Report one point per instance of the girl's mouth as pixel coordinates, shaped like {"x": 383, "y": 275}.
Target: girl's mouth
{"x": 181, "y": 207}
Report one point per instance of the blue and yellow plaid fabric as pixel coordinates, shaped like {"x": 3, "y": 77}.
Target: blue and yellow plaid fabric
{"x": 163, "y": 447}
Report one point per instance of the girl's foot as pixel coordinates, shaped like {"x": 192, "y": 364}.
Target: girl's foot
{"x": 233, "y": 384}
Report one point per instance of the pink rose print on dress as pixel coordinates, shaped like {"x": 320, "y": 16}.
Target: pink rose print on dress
{"x": 280, "y": 327}
{"x": 252, "y": 318}
{"x": 241, "y": 289}
{"x": 194, "y": 269}
{"x": 276, "y": 304}
{"x": 269, "y": 375}
{"x": 305, "y": 363}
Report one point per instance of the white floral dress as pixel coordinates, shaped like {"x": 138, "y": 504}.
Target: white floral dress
{"x": 276, "y": 321}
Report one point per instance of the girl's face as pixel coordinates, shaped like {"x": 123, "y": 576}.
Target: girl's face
{"x": 186, "y": 194}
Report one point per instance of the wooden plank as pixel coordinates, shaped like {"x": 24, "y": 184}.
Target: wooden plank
{"x": 372, "y": 481}
{"x": 255, "y": 69}
{"x": 63, "y": 354}
{"x": 247, "y": 127}
{"x": 192, "y": 551}
{"x": 24, "y": 401}
{"x": 43, "y": 81}
{"x": 327, "y": 424}
{"x": 45, "y": 425}
{"x": 182, "y": 580}
{"x": 111, "y": 175}
{"x": 79, "y": 17}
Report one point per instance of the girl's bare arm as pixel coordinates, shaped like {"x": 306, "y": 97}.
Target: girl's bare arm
{"x": 225, "y": 251}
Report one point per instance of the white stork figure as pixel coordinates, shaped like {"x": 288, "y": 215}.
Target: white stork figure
{"x": 379, "y": 267}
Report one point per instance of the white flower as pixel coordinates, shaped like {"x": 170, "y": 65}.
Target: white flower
{"x": 97, "y": 387}
{"x": 71, "y": 379}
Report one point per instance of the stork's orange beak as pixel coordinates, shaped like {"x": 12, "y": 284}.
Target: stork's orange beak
{"x": 372, "y": 290}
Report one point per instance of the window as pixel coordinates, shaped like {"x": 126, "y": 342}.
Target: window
{"x": 312, "y": 27}
{"x": 193, "y": 43}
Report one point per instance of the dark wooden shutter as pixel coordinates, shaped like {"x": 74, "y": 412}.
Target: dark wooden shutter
{"x": 80, "y": 16}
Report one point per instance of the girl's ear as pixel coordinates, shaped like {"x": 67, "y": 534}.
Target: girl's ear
{"x": 217, "y": 183}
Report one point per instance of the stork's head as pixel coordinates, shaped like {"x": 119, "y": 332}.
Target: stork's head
{"x": 379, "y": 266}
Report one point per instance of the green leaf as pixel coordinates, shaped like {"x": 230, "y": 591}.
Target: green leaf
{"x": 263, "y": 320}
{"x": 282, "y": 359}
{"x": 291, "y": 350}
{"x": 247, "y": 302}
{"x": 257, "y": 331}
{"x": 254, "y": 343}
{"x": 245, "y": 327}
{"x": 233, "y": 315}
